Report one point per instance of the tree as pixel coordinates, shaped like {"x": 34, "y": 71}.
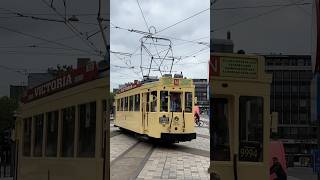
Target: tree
{"x": 8, "y": 107}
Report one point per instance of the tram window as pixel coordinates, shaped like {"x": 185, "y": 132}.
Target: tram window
{"x": 251, "y": 128}
{"x": 126, "y": 104}
{"x": 118, "y": 104}
{"x": 87, "y": 130}
{"x": 147, "y": 105}
{"x": 27, "y": 125}
{"x": 122, "y": 104}
{"x": 68, "y": 123}
{"x": 220, "y": 145}
{"x": 38, "y": 136}
{"x": 52, "y": 134}
{"x": 137, "y": 102}
{"x": 131, "y": 103}
{"x": 175, "y": 102}
{"x": 164, "y": 101}
{"x": 188, "y": 102}
{"x": 153, "y": 101}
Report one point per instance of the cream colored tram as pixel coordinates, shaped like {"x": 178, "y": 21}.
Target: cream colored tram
{"x": 60, "y": 129}
{"x": 240, "y": 117}
{"x": 158, "y": 108}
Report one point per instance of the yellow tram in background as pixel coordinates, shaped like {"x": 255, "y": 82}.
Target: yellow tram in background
{"x": 240, "y": 117}
{"x": 158, "y": 108}
{"x": 61, "y": 128}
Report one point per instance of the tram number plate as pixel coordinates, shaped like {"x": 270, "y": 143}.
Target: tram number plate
{"x": 249, "y": 152}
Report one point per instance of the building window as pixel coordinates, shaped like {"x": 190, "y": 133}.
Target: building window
{"x": 131, "y": 103}
{"x": 251, "y": 128}
{"x": 188, "y": 102}
{"x": 38, "y": 135}
{"x": 52, "y": 134}
{"x": 68, "y": 123}
{"x": 137, "y": 102}
{"x": 87, "y": 130}
{"x": 153, "y": 102}
{"x": 27, "y": 126}
{"x": 164, "y": 101}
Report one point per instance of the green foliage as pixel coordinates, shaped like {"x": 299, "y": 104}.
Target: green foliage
{"x": 7, "y": 108}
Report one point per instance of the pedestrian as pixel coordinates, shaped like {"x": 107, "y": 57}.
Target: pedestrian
{"x": 278, "y": 170}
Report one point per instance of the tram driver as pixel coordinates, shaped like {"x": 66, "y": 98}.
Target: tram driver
{"x": 175, "y": 105}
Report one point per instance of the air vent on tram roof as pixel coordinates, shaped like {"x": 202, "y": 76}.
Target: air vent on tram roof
{"x": 167, "y": 75}
{"x": 178, "y": 76}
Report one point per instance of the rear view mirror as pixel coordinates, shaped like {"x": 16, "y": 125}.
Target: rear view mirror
{"x": 274, "y": 122}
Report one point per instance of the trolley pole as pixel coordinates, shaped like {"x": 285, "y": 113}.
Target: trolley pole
{"x": 105, "y": 6}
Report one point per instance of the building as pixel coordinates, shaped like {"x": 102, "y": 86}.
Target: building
{"x": 201, "y": 92}
{"x": 290, "y": 97}
{"x": 222, "y": 45}
{"x": 16, "y": 92}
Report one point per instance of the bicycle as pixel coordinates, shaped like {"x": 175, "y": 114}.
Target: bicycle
{"x": 198, "y": 122}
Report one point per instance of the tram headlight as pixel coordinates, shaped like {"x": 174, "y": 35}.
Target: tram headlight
{"x": 164, "y": 120}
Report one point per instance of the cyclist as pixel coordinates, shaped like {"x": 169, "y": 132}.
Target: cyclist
{"x": 196, "y": 112}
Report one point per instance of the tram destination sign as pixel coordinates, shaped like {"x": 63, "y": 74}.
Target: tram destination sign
{"x": 68, "y": 80}
{"x": 230, "y": 66}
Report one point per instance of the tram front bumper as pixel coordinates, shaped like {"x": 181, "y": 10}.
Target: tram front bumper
{"x": 178, "y": 137}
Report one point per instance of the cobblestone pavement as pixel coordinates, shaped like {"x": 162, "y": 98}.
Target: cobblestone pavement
{"x": 186, "y": 160}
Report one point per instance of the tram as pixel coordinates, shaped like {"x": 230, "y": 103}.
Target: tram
{"x": 158, "y": 108}
{"x": 61, "y": 129}
{"x": 240, "y": 118}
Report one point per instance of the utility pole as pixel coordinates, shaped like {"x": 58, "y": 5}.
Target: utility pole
{"x": 106, "y": 41}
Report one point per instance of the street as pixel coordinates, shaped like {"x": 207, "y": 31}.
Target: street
{"x": 133, "y": 158}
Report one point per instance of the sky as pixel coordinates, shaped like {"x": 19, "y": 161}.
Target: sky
{"x": 190, "y": 58}
{"x": 52, "y": 43}
{"x": 271, "y": 29}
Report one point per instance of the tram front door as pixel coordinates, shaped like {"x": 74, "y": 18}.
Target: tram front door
{"x": 239, "y": 117}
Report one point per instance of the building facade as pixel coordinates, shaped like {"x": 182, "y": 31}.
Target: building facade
{"x": 201, "y": 92}
{"x": 290, "y": 97}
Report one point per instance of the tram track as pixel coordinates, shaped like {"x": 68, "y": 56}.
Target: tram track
{"x": 129, "y": 164}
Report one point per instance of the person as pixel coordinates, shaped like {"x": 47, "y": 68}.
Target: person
{"x": 196, "y": 114}
{"x": 278, "y": 169}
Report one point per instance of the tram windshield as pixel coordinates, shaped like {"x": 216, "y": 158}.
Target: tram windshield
{"x": 175, "y": 102}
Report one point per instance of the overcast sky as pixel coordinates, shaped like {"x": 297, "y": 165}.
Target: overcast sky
{"x": 159, "y": 14}
{"x": 286, "y": 30}
{"x": 14, "y": 50}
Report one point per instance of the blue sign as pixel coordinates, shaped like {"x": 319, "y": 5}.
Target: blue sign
{"x": 316, "y": 161}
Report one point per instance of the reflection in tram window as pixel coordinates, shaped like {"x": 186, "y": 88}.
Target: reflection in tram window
{"x": 164, "y": 101}
{"x": 221, "y": 145}
{"x": 188, "y": 102}
{"x": 67, "y": 140}
{"x": 153, "y": 102}
{"x": 126, "y": 104}
{"x": 137, "y": 102}
{"x": 38, "y": 136}
{"x": 251, "y": 128}
{"x": 175, "y": 102}
{"x": 87, "y": 130}
{"x": 131, "y": 103}
{"x": 52, "y": 134}
{"x": 27, "y": 124}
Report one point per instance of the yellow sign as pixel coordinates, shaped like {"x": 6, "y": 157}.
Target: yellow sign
{"x": 238, "y": 67}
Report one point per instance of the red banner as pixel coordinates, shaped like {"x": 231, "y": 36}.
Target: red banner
{"x": 68, "y": 80}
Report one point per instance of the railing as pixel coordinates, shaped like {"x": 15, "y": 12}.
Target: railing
{"x": 7, "y": 161}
